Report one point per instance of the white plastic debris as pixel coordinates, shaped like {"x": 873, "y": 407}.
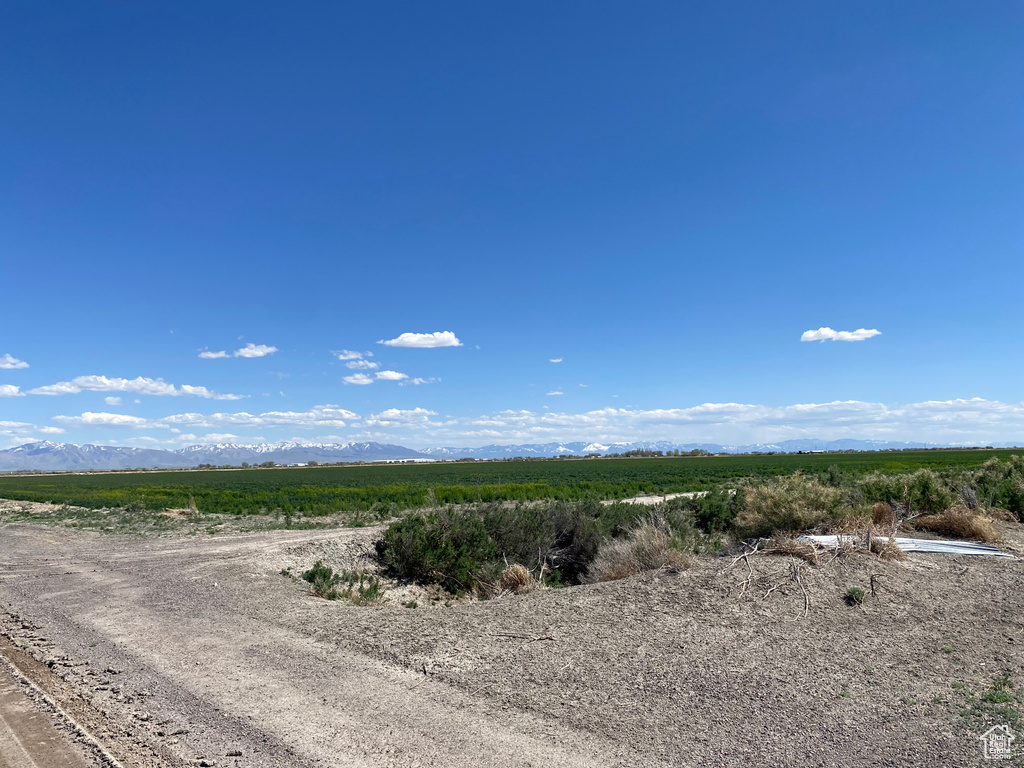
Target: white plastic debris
{"x": 931, "y": 546}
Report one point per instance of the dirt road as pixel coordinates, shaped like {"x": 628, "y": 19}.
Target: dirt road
{"x": 195, "y": 650}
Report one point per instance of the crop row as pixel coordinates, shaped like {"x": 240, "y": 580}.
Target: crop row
{"x": 323, "y": 490}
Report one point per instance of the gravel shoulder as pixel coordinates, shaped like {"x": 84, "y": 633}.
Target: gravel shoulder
{"x": 184, "y": 650}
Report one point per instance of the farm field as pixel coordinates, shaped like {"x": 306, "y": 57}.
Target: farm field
{"x": 561, "y": 631}
{"x": 390, "y": 488}
{"x": 182, "y": 651}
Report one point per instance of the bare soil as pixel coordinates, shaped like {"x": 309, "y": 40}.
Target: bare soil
{"x": 192, "y": 650}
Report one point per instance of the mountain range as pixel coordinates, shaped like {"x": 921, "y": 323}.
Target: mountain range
{"x": 48, "y": 456}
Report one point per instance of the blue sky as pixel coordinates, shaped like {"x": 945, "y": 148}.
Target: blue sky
{"x": 662, "y": 196}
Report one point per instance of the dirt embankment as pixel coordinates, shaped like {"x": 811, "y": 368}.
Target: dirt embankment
{"x": 192, "y": 649}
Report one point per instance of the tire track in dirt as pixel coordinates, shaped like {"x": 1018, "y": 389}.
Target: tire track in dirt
{"x": 233, "y": 685}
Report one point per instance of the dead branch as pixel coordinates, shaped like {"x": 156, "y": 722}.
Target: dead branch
{"x": 873, "y": 577}
{"x": 750, "y": 575}
{"x": 770, "y": 591}
{"x": 807, "y": 600}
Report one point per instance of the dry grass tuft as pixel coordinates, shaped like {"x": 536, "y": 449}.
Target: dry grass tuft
{"x": 788, "y": 545}
{"x": 959, "y": 523}
{"x": 515, "y": 578}
{"x": 650, "y": 546}
{"x": 882, "y": 514}
{"x": 886, "y": 549}
{"x": 853, "y": 525}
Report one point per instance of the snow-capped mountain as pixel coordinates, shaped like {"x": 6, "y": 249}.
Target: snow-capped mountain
{"x": 56, "y": 457}
{"x": 50, "y": 456}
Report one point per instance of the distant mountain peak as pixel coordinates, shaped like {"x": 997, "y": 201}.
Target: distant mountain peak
{"x": 47, "y": 455}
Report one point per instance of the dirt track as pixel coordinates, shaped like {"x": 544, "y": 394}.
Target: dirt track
{"x": 185, "y": 649}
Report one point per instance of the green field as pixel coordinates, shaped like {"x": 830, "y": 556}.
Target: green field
{"x": 325, "y": 490}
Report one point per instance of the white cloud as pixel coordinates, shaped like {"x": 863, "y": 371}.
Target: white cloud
{"x": 970, "y": 422}
{"x": 317, "y": 416}
{"x": 18, "y": 432}
{"x": 393, "y": 417}
{"x": 249, "y": 350}
{"x": 9, "y": 362}
{"x": 10, "y": 390}
{"x": 827, "y": 334}
{"x": 255, "y": 350}
{"x": 418, "y": 381}
{"x": 555, "y": 360}
{"x": 424, "y": 340}
{"x": 391, "y": 376}
{"x": 140, "y": 386}
{"x": 359, "y": 379}
{"x": 91, "y": 419}
{"x": 349, "y": 354}
{"x": 555, "y": 392}
{"x": 362, "y": 365}
{"x": 973, "y": 421}
{"x": 112, "y": 400}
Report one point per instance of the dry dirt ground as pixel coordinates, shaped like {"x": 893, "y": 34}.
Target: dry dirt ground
{"x": 195, "y": 650}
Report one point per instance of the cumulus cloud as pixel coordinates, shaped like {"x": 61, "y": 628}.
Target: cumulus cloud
{"x": 362, "y": 365}
{"x": 112, "y": 400}
{"x": 349, "y": 354}
{"x": 255, "y": 350}
{"x": 966, "y": 421}
{"x": 555, "y": 392}
{"x": 318, "y": 416}
{"x": 827, "y": 334}
{"x": 423, "y": 340}
{"x": 359, "y": 379}
{"x": 9, "y": 390}
{"x": 17, "y": 432}
{"x": 393, "y": 417}
{"x": 391, "y": 376}
{"x": 9, "y": 362}
{"x": 140, "y": 386}
{"x": 91, "y": 419}
{"x": 555, "y": 360}
{"x": 249, "y": 350}
{"x": 973, "y": 421}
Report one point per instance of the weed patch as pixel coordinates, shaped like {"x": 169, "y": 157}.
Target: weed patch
{"x": 999, "y": 703}
{"x": 357, "y": 587}
{"x": 959, "y": 523}
{"x": 651, "y": 544}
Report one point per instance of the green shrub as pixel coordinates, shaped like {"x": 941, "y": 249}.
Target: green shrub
{"x": 360, "y": 588}
{"x": 447, "y": 547}
{"x": 321, "y": 580}
{"x": 786, "y": 504}
{"x": 854, "y": 596}
{"x": 1000, "y": 484}
{"x": 920, "y": 492}
{"x": 716, "y": 510}
{"x": 466, "y": 549}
